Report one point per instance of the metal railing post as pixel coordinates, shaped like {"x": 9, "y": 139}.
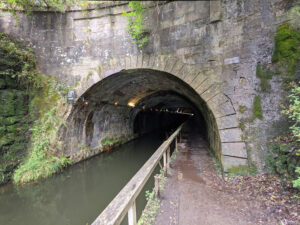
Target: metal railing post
{"x": 132, "y": 214}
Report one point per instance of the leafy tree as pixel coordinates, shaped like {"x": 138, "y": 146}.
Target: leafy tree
{"x": 28, "y": 5}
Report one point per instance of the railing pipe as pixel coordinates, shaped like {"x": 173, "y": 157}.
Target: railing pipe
{"x": 124, "y": 202}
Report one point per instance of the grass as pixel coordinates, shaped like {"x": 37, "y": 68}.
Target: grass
{"x": 43, "y": 159}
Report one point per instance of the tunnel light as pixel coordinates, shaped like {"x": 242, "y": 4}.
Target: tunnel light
{"x": 116, "y": 103}
{"x": 131, "y": 104}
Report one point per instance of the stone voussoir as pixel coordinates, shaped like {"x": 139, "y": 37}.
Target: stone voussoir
{"x": 231, "y": 135}
{"x": 236, "y": 149}
{"x": 230, "y": 162}
{"x": 226, "y": 122}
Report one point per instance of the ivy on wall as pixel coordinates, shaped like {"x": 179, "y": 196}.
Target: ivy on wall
{"x": 136, "y": 19}
{"x": 37, "y": 117}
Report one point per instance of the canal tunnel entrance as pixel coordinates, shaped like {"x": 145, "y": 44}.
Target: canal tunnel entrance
{"x": 130, "y": 103}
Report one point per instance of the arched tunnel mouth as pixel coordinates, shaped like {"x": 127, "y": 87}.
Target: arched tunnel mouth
{"x": 131, "y": 103}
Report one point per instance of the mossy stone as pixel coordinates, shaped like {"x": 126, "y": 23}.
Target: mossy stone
{"x": 2, "y": 83}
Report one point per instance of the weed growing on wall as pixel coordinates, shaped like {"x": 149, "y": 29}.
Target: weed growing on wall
{"x": 257, "y": 109}
{"x": 39, "y": 112}
{"x": 136, "y": 21}
{"x": 264, "y": 75}
{"x": 45, "y": 157}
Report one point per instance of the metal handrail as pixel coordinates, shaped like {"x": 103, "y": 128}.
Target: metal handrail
{"x": 124, "y": 202}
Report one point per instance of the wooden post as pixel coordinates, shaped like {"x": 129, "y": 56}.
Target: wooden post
{"x": 165, "y": 162}
{"x": 168, "y": 157}
{"x": 156, "y": 185}
{"x": 132, "y": 214}
{"x": 176, "y": 142}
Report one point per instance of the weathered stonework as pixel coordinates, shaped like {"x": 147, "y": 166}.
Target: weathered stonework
{"x": 211, "y": 48}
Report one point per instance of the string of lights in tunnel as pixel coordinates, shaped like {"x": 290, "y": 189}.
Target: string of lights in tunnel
{"x": 130, "y": 104}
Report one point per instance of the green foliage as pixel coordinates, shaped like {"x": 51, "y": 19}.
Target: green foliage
{"x": 42, "y": 161}
{"x": 149, "y": 195}
{"x": 283, "y": 151}
{"x": 151, "y": 209}
{"x": 18, "y": 62}
{"x": 257, "y": 109}
{"x": 293, "y": 113}
{"x": 28, "y": 96}
{"x": 110, "y": 141}
{"x": 287, "y": 50}
{"x": 153, "y": 204}
{"x": 281, "y": 158}
{"x": 293, "y": 110}
{"x": 296, "y": 182}
{"x": 29, "y": 5}
{"x": 45, "y": 156}
{"x": 264, "y": 75}
{"x": 242, "y": 126}
{"x": 136, "y": 21}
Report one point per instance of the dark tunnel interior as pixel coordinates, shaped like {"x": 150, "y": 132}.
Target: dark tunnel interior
{"x": 132, "y": 103}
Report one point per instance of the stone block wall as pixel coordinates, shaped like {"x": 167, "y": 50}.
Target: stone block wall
{"x": 213, "y": 46}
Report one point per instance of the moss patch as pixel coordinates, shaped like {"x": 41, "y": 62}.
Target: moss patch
{"x": 257, "y": 109}
{"x": 264, "y": 74}
{"x": 287, "y": 51}
{"x": 241, "y": 171}
{"x": 242, "y": 108}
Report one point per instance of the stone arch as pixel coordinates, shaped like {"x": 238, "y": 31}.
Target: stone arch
{"x": 204, "y": 79}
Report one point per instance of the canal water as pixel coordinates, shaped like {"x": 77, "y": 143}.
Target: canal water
{"x": 79, "y": 194}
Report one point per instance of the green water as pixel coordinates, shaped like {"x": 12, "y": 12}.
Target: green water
{"x": 79, "y": 194}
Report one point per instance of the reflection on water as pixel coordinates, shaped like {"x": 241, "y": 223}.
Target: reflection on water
{"x": 79, "y": 194}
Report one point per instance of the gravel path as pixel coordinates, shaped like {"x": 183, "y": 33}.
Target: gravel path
{"x": 196, "y": 195}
